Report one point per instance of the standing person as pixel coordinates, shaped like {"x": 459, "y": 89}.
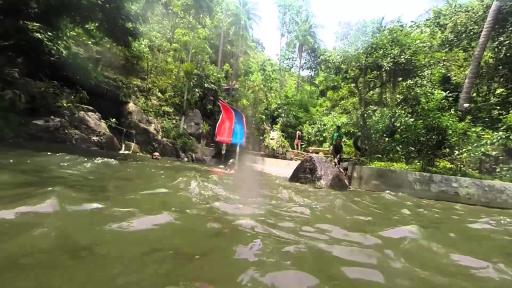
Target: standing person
{"x": 298, "y": 140}
{"x": 337, "y": 145}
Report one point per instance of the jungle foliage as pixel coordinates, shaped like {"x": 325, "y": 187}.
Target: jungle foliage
{"x": 394, "y": 84}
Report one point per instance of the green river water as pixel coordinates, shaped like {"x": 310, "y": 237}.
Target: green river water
{"x": 72, "y": 221}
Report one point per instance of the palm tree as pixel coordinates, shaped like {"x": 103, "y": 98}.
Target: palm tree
{"x": 246, "y": 18}
{"x": 305, "y": 39}
{"x": 202, "y": 8}
{"x": 221, "y": 41}
{"x": 465, "y": 96}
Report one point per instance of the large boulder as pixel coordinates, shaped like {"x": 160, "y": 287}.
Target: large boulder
{"x": 193, "y": 122}
{"x": 320, "y": 172}
{"x": 82, "y": 127}
{"x": 89, "y": 123}
{"x": 147, "y": 131}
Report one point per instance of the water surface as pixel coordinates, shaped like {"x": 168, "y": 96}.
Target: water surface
{"x": 71, "y": 221}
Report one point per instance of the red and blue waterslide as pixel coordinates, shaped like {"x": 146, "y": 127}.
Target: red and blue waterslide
{"x": 231, "y": 126}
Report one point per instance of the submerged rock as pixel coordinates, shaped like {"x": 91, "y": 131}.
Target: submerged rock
{"x": 319, "y": 171}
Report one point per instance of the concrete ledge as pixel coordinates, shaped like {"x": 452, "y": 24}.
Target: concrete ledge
{"x": 435, "y": 187}
{"x": 276, "y": 167}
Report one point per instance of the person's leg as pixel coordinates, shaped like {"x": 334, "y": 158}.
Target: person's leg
{"x": 338, "y": 160}
{"x": 299, "y": 143}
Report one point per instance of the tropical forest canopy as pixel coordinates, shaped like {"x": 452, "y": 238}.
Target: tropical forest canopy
{"x": 394, "y": 84}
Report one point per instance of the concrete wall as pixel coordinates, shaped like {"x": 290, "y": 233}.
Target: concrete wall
{"x": 435, "y": 187}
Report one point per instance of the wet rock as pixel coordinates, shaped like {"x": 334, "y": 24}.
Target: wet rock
{"x": 50, "y": 129}
{"x": 199, "y": 159}
{"x": 166, "y": 148}
{"x": 110, "y": 143}
{"x": 320, "y": 172}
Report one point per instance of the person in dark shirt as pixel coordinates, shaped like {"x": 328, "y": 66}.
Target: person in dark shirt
{"x": 337, "y": 145}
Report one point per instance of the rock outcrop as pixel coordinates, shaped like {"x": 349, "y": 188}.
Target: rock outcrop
{"x": 320, "y": 172}
{"x": 193, "y": 122}
{"x": 147, "y": 131}
{"x": 83, "y": 128}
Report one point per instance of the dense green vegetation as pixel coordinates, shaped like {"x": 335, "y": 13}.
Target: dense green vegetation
{"x": 395, "y": 84}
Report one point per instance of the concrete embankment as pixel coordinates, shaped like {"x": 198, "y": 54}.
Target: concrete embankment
{"x": 494, "y": 194}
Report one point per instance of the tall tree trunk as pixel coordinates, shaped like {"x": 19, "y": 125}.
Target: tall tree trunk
{"x": 185, "y": 96}
{"x": 221, "y": 42}
{"x": 300, "y": 52}
{"x": 221, "y": 47}
{"x": 465, "y": 97}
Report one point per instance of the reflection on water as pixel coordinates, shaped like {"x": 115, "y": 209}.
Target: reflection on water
{"x": 249, "y": 252}
{"x": 357, "y": 254}
{"x": 168, "y": 224}
{"x": 48, "y": 206}
{"x": 85, "y": 206}
{"x": 339, "y": 233}
{"x": 482, "y": 268}
{"x": 142, "y": 223}
{"x": 290, "y": 279}
{"x": 411, "y": 231}
{"x": 363, "y": 273}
